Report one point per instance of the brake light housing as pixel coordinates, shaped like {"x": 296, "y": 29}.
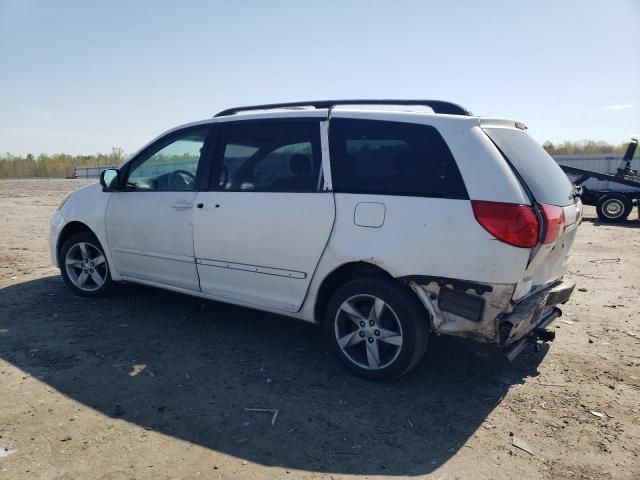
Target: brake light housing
{"x": 511, "y": 223}
{"x": 555, "y": 221}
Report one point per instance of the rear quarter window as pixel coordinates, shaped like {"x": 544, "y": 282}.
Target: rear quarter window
{"x": 392, "y": 158}
{"x": 542, "y": 175}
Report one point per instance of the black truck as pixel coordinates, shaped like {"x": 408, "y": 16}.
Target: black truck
{"x": 611, "y": 205}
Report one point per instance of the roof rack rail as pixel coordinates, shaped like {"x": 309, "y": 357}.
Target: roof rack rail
{"x": 438, "y": 106}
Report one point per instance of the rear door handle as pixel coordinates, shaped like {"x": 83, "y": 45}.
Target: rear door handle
{"x": 182, "y": 205}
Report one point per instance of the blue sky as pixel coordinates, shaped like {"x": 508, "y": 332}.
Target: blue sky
{"x": 81, "y": 77}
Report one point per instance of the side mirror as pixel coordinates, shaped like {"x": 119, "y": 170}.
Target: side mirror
{"x": 110, "y": 179}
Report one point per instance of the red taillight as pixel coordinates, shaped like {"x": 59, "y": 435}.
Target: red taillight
{"x": 510, "y": 223}
{"x": 555, "y": 222}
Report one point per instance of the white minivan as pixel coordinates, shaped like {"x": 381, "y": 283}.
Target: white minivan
{"x": 384, "y": 221}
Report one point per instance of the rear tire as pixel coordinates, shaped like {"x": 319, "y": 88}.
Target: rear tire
{"x": 614, "y": 207}
{"x": 377, "y": 328}
{"x": 84, "y": 266}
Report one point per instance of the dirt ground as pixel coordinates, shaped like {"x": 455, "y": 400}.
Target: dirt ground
{"x": 147, "y": 384}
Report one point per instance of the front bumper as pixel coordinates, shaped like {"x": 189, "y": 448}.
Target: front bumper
{"x": 56, "y": 224}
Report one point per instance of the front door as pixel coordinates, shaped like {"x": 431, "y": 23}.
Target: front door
{"x": 260, "y": 232}
{"x": 149, "y": 221}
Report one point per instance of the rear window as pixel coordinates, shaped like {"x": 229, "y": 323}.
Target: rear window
{"x": 392, "y": 158}
{"x": 546, "y": 180}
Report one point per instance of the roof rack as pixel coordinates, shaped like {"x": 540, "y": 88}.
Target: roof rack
{"x": 438, "y": 106}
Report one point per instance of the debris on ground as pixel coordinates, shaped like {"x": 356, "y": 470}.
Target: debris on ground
{"x": 136, "y": 369}
{"x": 522, "y": 445}
{"x": 273, "y": 411}
{"x": 550, "y": 384}
{"x": 606, "y": 260}
{"x": 5, "y": 452}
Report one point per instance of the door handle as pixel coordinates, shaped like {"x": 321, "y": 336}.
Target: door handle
{"x": 182, "y": 205}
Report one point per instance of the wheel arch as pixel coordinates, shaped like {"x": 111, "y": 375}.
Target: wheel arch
{"x": 352, "y": 271}
{"x": 70, "y": 229}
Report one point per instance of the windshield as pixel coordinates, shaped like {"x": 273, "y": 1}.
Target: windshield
{"x": 546, "y": 180}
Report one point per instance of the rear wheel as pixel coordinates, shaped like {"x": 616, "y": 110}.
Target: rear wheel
{"x": 84, "y": 266}
{"x": 614, "y": 207}
{"x": 377, "y": 328}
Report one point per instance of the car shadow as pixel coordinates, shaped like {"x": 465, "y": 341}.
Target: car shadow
{"x": 190, "y": 368}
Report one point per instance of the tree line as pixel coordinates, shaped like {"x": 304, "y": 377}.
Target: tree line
{"x": 58, "y": 165}
{"x": 62, "y": 165}
{"x": 583, "y": 147}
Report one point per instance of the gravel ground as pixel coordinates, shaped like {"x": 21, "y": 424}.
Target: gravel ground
{"x": 147, "y": 384}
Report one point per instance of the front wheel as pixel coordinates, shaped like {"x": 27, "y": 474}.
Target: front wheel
{"x": 84, "y": 266}
{"x": 614, "y": 207}
{"x": 377, "y": 328}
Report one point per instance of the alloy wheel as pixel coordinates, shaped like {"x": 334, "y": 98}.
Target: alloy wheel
{"x": 86, "y": 266}
{"x": 368, "y": 332}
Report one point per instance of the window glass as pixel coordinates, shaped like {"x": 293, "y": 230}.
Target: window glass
{"x": 394, "y": 158}
{"x": 235, "y": 155}
{"x": 172, "y": 167}
{"x": 544, "y": 177}
{"x": 269, "y": 156}
{"x": 276, "y": 167}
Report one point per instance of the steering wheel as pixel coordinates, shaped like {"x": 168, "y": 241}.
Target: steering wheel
{"x": 187, "y": 179}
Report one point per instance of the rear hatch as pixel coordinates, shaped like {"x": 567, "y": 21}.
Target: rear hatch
{"x": 554, "y": 196}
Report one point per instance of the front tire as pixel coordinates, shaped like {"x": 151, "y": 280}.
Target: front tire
{"x": 377, "y": 328}
{"x": 84, "y": 266}
{"x": 614, "y": 207}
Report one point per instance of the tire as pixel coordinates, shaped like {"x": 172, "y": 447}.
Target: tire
{"x": 614, "y": 207}
{"x": 84, "y": 266}
{"x": 378, "y": 329}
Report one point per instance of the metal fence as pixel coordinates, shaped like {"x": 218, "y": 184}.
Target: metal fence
{"x": 91, "y": 172}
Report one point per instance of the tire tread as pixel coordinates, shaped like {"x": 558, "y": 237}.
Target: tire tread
{"x": 410, "y": 308}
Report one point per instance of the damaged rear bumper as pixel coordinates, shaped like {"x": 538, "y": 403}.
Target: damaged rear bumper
{"x": 531, "y": 316}
{"x": 486, "y": 312}
{"x": 516, "y": 348}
